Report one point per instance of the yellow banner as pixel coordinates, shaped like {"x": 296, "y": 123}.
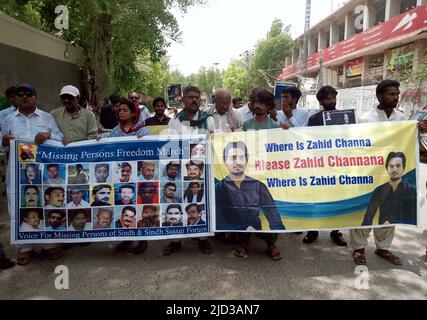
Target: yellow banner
{"x": 316, "y": 177}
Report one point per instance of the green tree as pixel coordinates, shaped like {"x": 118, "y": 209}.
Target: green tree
{"x": 236, "y": 79}
{"x": 112, "y": 34}
{"x": 270, "y": 53}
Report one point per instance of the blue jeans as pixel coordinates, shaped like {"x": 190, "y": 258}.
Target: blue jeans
{"x": 1, "y": 250}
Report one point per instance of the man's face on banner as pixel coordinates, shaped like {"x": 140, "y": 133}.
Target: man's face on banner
{"x": 395, "y": 169}
{"x": 169, "y": 191}
{"x": 79, "y": 221}
{"x": 193, "y": 215}
{"x": 103, "y": 195}
{"x": 172, "y": 171}
{"x": 55, "y": 219}
{"x": 126, "y": 173}
{"x": 76, "y": 195}
{"x": 53, "y": 172}
{"x": 236, "y": 161}
{"x": 101, "y": 173}
{"x": 194, "y": 172}
{"x": 147, "y": 195}
{"x": 31, "y": 198}
{"x": 148, "y": 213}
{"x": 173, "y": 216}
{"x": 148, "y": 170}
{"x": 30, "y": 173}
{"x": 126, "y": 195}
{"x": 33, "y": 219}
{"x": 128, "y": 217}
{"x": 104, "y": 219}
{"x": 56, "y": 198}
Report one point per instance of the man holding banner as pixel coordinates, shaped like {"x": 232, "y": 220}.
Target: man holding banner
{"x": 327, "y": 97}
{"x": 191, "y": 120}
{"x": 388, "y": 97}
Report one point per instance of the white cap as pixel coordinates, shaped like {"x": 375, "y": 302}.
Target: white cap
{"x": 71, "y": 90}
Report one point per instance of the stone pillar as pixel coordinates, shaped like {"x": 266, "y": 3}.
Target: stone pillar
{"x": 392, "y": 9}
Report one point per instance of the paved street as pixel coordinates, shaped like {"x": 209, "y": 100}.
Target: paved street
{"x": 319, "y": 271}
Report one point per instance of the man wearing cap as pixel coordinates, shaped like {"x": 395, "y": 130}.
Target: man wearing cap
{"x": 76, "y": 123}
{"x": 28, "y": 121}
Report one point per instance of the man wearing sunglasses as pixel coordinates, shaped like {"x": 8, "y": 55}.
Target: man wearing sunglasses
{"x": 28, "y": 121}
{"x": 135, "y": 98}
{"x": 76, "y": 123}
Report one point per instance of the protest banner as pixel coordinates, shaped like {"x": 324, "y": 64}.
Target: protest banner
{"x": 314, "y": 178}
{"x": 113, "y": 189}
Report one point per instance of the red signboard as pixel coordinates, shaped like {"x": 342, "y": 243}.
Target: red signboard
{"x": 407, "y": 24}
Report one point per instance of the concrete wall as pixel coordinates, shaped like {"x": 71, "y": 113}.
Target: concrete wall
{"x": 46, "y": 74}
{"x": 30, "y": 55}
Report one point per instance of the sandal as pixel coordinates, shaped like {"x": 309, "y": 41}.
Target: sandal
{"x": 359, "y": 257}
{"x": 240, "y": 252}
{"x": 141, "y": 247}
{"x": 25, "y": 257}
{"x": 274, "y": 253}
{"x": 171, "y": 248}
{"x": 52, "y": 254}
{"x": 389, "y": 257}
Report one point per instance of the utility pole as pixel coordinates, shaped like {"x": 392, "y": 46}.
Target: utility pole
{"x": 304, "y": 51}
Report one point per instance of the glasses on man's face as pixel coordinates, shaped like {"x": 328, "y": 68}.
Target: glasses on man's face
{"x": 134, "y": 98}
{"x": 197, "y": 98}
{"x": 68, "y": 97}
{"x": 27, "y": 94}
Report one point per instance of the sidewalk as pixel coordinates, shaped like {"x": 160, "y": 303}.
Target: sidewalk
{"x": 318, "y": 271}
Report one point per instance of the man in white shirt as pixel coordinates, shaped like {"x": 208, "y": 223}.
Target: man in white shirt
{"x": 226, "y": 118}
{"x": 388, "y": 97}
{"x": 76, "y": 194}
{"x": 191, "y": 120}
{"x": 28, "y": 121}
{"x": 247, "y": 111}
{"x": 290, "y": 116}
{"x": 31, "y": 123}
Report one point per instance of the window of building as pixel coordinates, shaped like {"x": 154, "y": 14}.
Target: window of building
{"x": 341, "y": 32}
{"x": 327, "y": 39}
{"x": 380, "y": 11}
{"x": 407, "y": 5}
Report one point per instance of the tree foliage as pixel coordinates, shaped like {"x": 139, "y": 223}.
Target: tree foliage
{"x": 236, "y": 79}
{"x": 270, "y": 54}
{"x": 113, "y": 34}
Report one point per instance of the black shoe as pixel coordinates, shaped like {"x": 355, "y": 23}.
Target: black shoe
{"x": 337, "y": 238}
{"x": 205, "y": 246}
{"x": 172, "y": 247}
{"x": 5, "y": 263}
{"x": 310, "y": 237}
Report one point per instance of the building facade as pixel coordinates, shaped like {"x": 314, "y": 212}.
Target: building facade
{"x": 359, "y": 45}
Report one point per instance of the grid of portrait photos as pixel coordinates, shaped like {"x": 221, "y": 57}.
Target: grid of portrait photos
{"x": 113, "y": 195}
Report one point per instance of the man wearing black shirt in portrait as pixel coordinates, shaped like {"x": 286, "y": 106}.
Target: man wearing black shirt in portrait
{"x": 397, "y": 199}
{"x": 240, "y": 199}
{"x": 327, "y": 97}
